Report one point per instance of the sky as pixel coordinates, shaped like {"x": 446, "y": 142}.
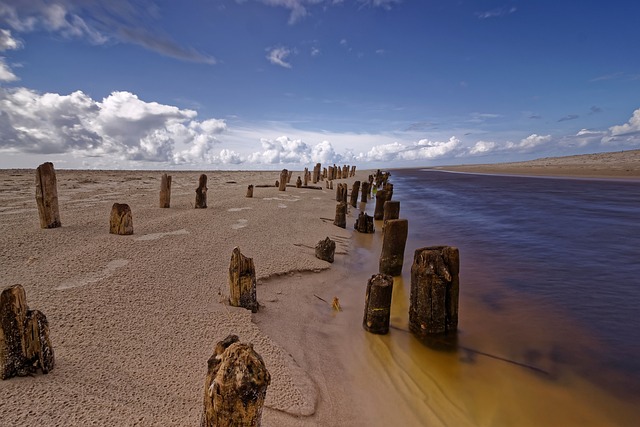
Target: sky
{"x": 269, "y": 84}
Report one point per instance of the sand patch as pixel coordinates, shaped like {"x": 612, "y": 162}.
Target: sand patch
{"x": 241, "y": 223}
{"x": 238, "y": 209}
{"x": 156, "y": 236}
{"x": 95, "y": 276}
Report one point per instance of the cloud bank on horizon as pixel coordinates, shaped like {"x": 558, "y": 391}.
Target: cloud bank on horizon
{"x": 123, "y": 130}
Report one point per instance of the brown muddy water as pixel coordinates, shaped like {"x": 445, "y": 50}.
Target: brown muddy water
{"x": 549, "y": 293}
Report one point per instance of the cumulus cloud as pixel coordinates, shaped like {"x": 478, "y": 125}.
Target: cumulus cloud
{"x": 120, "y": 126}
{"x": 482, "y": 147}
{"x": 284, "y": 150}
{"x": 278, "y": 55}
{"x": 424, "y": 149}
{"x": 6, "y": 75}
{"x": 629, "y": 128}
{"x": 7, "y": 41}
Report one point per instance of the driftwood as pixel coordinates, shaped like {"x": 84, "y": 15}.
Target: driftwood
{"x": 235, "y": 386}
{"x": 165, "y": 191}
{"x": 25, "y": 346}
{"x": 326, "y": 249}
{"x": 435, "y": 287}
{"x": 47, "y": 196}
{"x": 377, "y": 304}
{"x": 393, "y": 244}
{"x": 364, "y": 223}
{"x": 121, "y": 221}
{"x": 250, "y": 190}
{"x": 381, "y": 197}
{"x": 284, "y": 176}
{"x": 201, "y": 193}
{"x": 242, "y": 281}
{"x": 341, "y": 215}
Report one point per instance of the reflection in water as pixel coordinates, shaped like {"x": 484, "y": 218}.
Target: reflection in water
{"x": 547, "y": 334}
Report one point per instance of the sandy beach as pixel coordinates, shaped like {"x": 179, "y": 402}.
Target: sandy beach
{"x": 134, "y": 319}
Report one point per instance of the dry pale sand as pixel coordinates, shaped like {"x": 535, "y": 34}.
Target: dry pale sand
{"x": 620, "y": 164}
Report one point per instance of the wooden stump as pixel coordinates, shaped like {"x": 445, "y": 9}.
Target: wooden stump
{"x": 391, "y": 210}
{"x": 235, "y": 386}
{"x": 250, "y": 190}
{"x": 354, "y": 194}
{"x": 326, "y": 249}
{"x": 201, "y": 193}
{"x": 388, "y": 187}
{"x": 290, "y": 174}
{"x": 25, "y": 346}
{"x": 364, "y": 223}
{"x": 341, "y": 215}
{"x": 381, "y": 197}
{"x": 365, "y": 191}
{"x": 435, "y": 287}
{"x": 393, "y": 244}
{"x": 47, "y": 196}
{"x": 283, "y": 180}
{"x": 242, "y": 282}
{"x": 298, "y": 182}
{"x": 121, "y": 221}
{"x": 353, "y": 170}
{"x": 306, "y": 177}
{"x": 377, "y": 304}
{"x": 165, "y": 191}
{"x": 330, "y": 185}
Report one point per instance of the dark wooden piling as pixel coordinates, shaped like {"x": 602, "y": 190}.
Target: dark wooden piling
{"x": 353, "y": 170}
{"x": 377, "y": 304}
{"x": 364, "y": 223}
{"x": 435, "y": 288}
{"x": 381, "y": 197}
{"x": 121, "y": 220}
{"x": 306, "y": 176}
{"x": 365, "y": 191}
{"x": 391, "y": 210}
{"x": 250, "y": 190}
{"x": 289, "y": 176}
{"x": 201, "y": 193}
{"x": 165, "y": 191}
{"x": 235, "y": 386}
{"x": 393, "y": 245}
{"x": 341, "y": 215}
{"x": 326, "y": 250}
{"x": 354, "y": 194}
{"x": 242, "y": 281}
{"x": 47, "y": 196}
{"x": 298, "y": 182}
{"x": 25, "y": 346}
{"x": 284, "y": 175}
{"x": 388, "y": 188}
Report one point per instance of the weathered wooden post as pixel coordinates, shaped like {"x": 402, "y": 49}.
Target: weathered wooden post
{"x": 121, "y": 221}
{"x": 338, "y": 192}
{"x": 354, "y": 194}
{"x": 283, "y": 180}
{"x": 25, "y": 346}
{"x": 201, "y": 193}
{"x": 364, "y": 223}
{"x": 165, "y": 191}
{"x": 365, "y": 191}
{"x": 326, "y": 249}
{"x": 353, "y": 170}
{"x": 435, "y": 288}
{"x": 306, "y": 176}
{"x": 393, "y": 244}
{"x": 388, "y": 188}
{"x": 338, "y": 172}
{"x": 250, "y": 190}
{"x": 330, "y": 185}
{"x": 391, "y": 210}
{"x": 341, "y": 215}
{"x": 316, "y": 172}
{"x": 345, "y": 171}
{"x": 377, "y": 304}
{"x": 325, "y": 173}
{"x": 235, "y": 386}
{"x": 242, "y": 281}
{"x": 47, "y": 196}
{"x": 298, "y": 183}
{"x": 289, "y": 177}
{"x": 381, "y": 197}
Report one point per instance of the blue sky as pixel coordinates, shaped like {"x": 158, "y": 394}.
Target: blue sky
{"x": 267, "y": 84}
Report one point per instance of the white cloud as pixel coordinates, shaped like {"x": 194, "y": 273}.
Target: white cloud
{"x": 482, "y": 147}
{"x": 8, "y": 42}
{"x": 631, "y": 127}
{"x": 533, "y": 141}
{"x": 300, "y": 8}
{"x": 421, "y": 150}
{"x": 278, "y": 55}
{"x": 6, "y": 75}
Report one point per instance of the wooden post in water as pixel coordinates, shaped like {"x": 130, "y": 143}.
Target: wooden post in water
{"x": 391, "y": 211}
{"x": 341, "y": 215}
{"x": 388, "y": 188}
{"x": 365, "y": 191}
{"x": 381, "y": 197}
{"x": 250, "y": 190}
{"x": 283, "y": 180}
{"x": 235, "y": 386}
{"x": 354, "y": 194}
{"x": 393, "y": 244}
{"x": 47, "y": 196}
{"x": 201, "y": 193}
{"x": 364, "y": 223}
{"x": 326, "y": 249}
{"x": 377, "y": 304}
{"x": 435, "y": 287}
{"x": 165, "y": 191}
{"x": 25, "y": 346}
{"x": 120, "y": 220}
{"x": 242, "y": 281}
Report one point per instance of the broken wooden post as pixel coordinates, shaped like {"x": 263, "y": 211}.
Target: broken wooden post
{"x": 391, "y": 211}
{"x": 25, "y": 346}
{"x": 377, "y": 304}
{"x": 388, "y": 188}
{"x": 47, "y": 196}
{"x": 235, "y": 386}
{"x": 242, "y": 281}
{"x": 381, "y": 197}
{"x": 364, "y": 223}
{"x": 283, "y": 180}
{"x": 353, "y": 170}
{"x": 306, "y": 176}
{"x": 289, "y": 176}
{"x": 326, "y": 249}
{"x": 393, "y": 244}
{"x": 298, "y": 183}
{"x": 250, "y": 190}
{"x": 341, "y": 215}
{"x": 354, "y": 194}
{"x": 165, "y": 191}
{"x": 365, "y": 191}
{"x": 435, "y": 287}
{"x": 121, "y": 221}
{"x": 201, "y": 192}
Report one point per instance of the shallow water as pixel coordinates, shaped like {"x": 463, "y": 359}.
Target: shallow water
{"x": 548, "y": 331}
